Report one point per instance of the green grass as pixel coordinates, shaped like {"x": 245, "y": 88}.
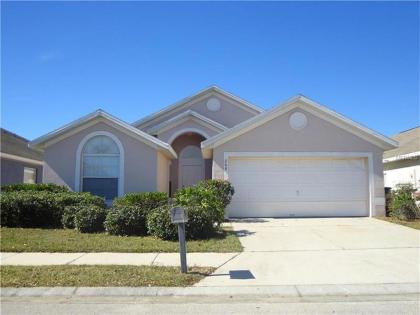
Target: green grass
{"x": 70, "y": 241}
{"x": 412, "y": 224}
{"x": 99, "y": 276}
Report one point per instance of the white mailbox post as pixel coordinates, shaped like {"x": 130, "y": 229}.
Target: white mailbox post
{"x": 179, "y": 217}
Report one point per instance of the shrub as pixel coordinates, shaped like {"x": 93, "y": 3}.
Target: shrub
{"x": 90, "y": 219}
{"x": 403, "y": 205}
{"x": 159, "y": 224}
{"x": 224, "y": 189}
{"x": 126, "y": 220}
{"x": 145, "y": 200}
{"x": 34, "y": 187}
{"x": 9, "y": 215}
{"x": 204, "y": 198}
{"x": 69, "y": 215}
{"x": 40, "y": 208}
{"x": 200, "y": 223}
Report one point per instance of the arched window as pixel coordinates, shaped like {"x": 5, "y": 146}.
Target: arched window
{"x": 100, "y": 167}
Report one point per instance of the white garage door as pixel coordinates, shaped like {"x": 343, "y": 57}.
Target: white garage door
{"x": 298, "y": 187}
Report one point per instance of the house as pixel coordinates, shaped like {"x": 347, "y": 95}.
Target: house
{"x": 402, "y": 164}
{"x": 297, "y": 159}
{"x": 18, "y": 162}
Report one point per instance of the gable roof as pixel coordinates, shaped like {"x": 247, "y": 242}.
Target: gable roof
{"x": 93, "y": 118}
{"x": 409, "y": 145}
{"x": 310, "y": 106}
{"x": 186, "y": 101}
{"x": 184, "y": 116}
{"x": 16, "y": 145}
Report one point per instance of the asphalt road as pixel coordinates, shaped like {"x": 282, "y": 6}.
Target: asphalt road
{"x": 395, "y": 304}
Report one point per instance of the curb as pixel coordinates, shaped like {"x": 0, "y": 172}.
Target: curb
{"x": 268, "y": 291}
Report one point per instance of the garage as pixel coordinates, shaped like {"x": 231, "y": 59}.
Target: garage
{"x": 301, "y": 159}
{"x": 299, "y": 187}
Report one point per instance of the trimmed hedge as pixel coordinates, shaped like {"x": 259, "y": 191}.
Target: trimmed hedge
{"x": 69, "y": 215}
{"x": 34, "y": 187}
{"x": 145, "y": 200}
{"x": 126, "y": 220}
{"x": 40, "y": 208}
{"x": 90, "y": 219}
{"x": 403, "y": 204}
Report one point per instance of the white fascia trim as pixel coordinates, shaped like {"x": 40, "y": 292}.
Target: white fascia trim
{"x": 178, "y": 119}
{"x": 310, "y": 106}
{"x": 20, "y": 158}
{"x": 185, "y": 130}
{"x": 78, "y": 170}
{"x": 367, "y": 155}
{"x": 89, "y": 120}
{"x": 196, "y": 97}
{"x": 402, "y": 157}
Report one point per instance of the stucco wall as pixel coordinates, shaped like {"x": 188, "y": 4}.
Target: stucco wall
{"x": 12, "y": 171}
{"x": 229, "y": 114}
{"x": 318, "y": 136}
{"x": 167, "y": 135}
{"x": 140, "y": 160}
{"x": 162, "y": 173}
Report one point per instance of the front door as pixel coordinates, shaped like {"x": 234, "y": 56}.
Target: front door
{"x": 191, "y": 166}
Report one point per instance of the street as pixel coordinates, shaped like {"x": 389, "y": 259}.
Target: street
{"x": 385, "y": 304}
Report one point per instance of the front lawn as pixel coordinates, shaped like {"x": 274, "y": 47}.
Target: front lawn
{"x": 99, "y": 276}
{"x": 412, "y": 224}
{"x": 70, "y": 241}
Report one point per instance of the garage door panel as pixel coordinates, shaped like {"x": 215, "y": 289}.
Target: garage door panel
{"x": 293, "y": 209}
{"x": 287, "y": 187}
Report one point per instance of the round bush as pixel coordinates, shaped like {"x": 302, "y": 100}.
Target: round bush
{"x": 223, "y": 189}
{"x": 126, "y": 220}
{"x": 203, "y": 198}
{"x": 201, "y": 224}
{"x": 403, "y": 204}
{"x": 159, "y": 224}
{"x": 90, "y": 219}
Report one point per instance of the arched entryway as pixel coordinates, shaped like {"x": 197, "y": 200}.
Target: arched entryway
{"x": 190, "y": 167}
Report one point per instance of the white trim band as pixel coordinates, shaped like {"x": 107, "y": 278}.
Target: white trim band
{"x": 20, "y": 159}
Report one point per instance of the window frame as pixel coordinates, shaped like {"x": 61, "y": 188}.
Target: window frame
{"x": 79, "y": 161}
{"x": 35, "y": 173}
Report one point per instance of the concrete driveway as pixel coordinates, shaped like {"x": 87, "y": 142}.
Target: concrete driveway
{"x": 321, "y": 251}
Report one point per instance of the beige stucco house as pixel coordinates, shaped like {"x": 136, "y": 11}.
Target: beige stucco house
{"x": 297, "y": 159}
{"x": 402, "y": 165}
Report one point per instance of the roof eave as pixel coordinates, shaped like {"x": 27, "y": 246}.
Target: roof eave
{"x": 144, "y": 120}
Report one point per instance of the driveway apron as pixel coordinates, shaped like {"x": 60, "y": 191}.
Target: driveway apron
{"x": 318, "y": 251}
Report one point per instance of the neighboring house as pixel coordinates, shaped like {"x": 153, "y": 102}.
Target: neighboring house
{"x": 18, "y": 162}
{"x": 402, "y": 164}
{"x": 297, "y": 159}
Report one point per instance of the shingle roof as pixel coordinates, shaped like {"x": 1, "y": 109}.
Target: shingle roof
{"x": 12, "y": 143}
{"x": 409, "y": 142}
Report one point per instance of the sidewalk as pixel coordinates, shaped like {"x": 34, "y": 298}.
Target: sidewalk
{"x": 136, "y": 259}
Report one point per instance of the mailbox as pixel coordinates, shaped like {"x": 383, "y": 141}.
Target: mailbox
{"x": 178, "y": 215}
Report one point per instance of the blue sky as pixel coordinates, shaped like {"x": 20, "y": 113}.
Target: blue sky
{"x": 62, "y": 60}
